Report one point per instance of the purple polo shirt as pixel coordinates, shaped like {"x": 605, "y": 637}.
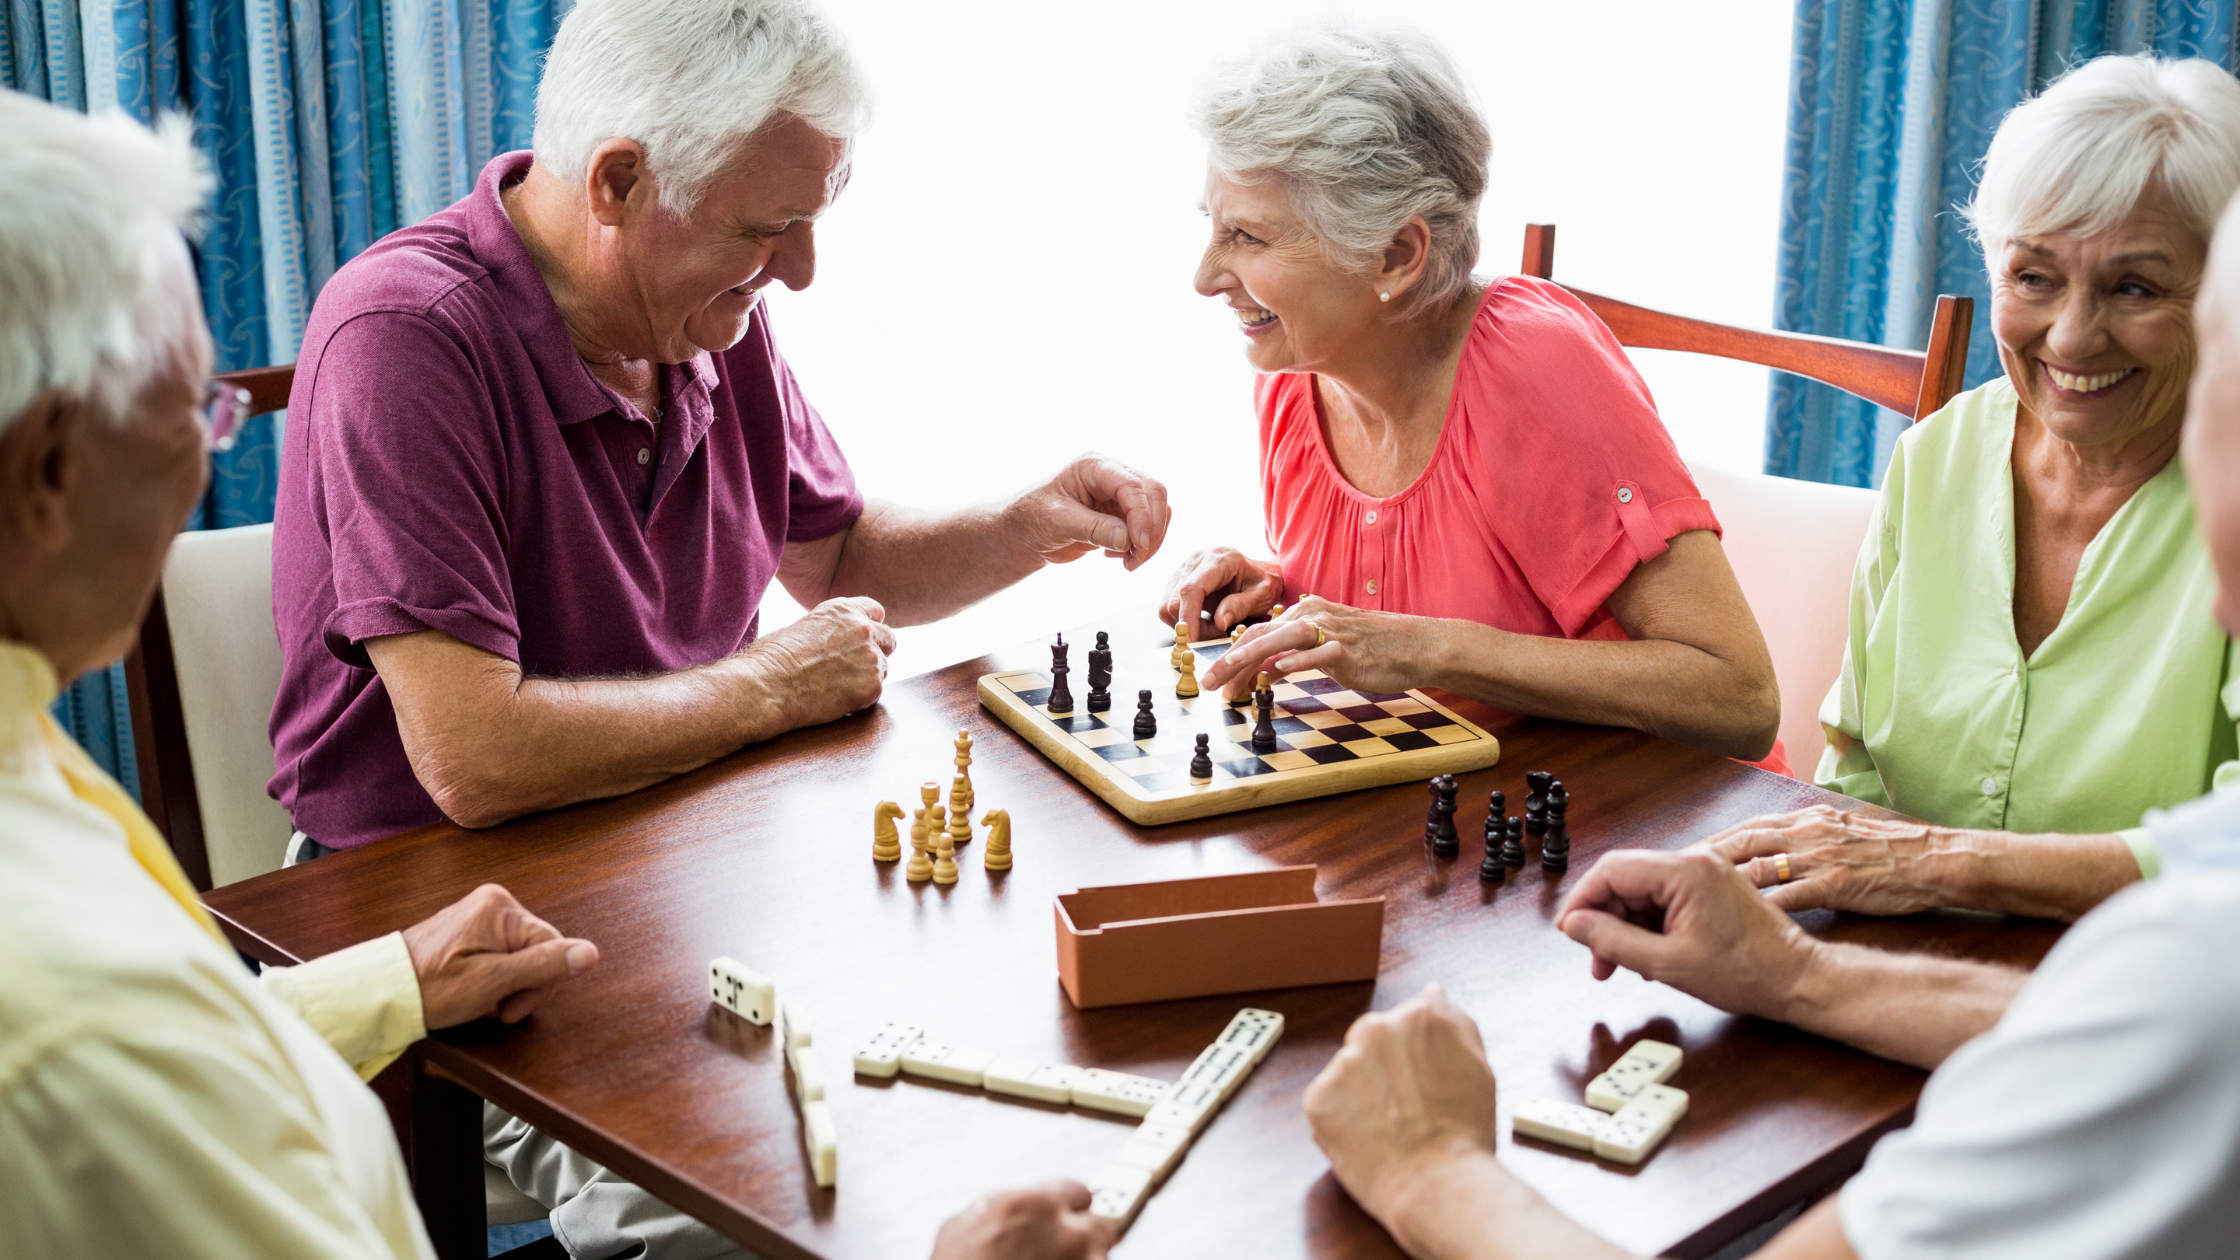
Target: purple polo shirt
{"x": 452, "y": 465}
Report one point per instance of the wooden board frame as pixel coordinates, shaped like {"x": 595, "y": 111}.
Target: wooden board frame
{"x": 1473, "y": 748}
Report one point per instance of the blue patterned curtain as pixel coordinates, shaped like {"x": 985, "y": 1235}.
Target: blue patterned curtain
{"x": 329, "y": 123}
{"x": 1891, "y": 106}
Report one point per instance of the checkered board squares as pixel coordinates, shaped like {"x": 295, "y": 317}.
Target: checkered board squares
{"x": 1328, "y": 738}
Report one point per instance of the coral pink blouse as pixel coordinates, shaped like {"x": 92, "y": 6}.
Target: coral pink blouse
{"x": 1552, "y": 479}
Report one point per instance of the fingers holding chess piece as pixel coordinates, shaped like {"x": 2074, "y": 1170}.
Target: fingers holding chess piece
{"x": 886, "y": 842}
{"x": 997, "y": 856}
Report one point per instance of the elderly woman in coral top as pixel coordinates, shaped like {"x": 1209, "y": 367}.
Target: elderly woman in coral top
{"x": 1466, "y": 484}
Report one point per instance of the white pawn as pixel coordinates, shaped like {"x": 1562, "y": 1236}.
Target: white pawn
{"x": 921, "y": 866}
{"x": 1181, "y": 645}
{"x": 1187, "y": 684}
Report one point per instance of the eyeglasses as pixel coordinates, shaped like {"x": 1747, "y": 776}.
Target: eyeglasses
{"x": 224, "y": 407}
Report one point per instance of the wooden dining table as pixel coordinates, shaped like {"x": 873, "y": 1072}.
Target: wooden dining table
{"x": 765, "y": 856}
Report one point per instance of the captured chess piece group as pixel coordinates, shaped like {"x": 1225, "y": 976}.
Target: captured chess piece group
{"x": 936, "y": 830}
{"x": 1545, "y": 815}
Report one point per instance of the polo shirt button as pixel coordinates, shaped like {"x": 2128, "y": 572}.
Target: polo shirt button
{"x": 1990, "y": 786}
{"x": 1372, "y": 586}
{"x": 1625, "y": 494}
{"x": 1372, "y": 518}
{"x": 644, "y": 455}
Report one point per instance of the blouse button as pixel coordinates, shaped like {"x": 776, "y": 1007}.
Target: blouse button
{"x": 1372, "y": 586}
{"x": 1990, "y": 786}
{"x": 1372, "y": 518}
{"x": 644, "y": 455}
{"x": 1625, "y": 494}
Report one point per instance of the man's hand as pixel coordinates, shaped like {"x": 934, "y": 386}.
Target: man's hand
{"x": 1095, "y": 503}
{"x": 1409, "y": 1092}
{"x": 1045, "y": 1223}
{"x": 1240, "y": 586}
{"x": 485, "y": 955}
{"x": 1368, "y": 651}
{"x": 831, "y": 662}
{"x": 1692, "y": 921}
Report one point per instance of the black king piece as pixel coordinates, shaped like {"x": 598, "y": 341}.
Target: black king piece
{"x": 1061, "y": 697}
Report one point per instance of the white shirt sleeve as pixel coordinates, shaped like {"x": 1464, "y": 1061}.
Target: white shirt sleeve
{"x": 2099, "y": 1118}
{"x": 364, "y": 1000}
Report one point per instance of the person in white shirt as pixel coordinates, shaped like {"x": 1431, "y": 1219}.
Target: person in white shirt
{"x": 2091, "y": 1109}
{"x": 155, "y": 1097}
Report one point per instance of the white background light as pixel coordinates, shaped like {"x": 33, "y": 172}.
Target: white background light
{"x": 1006, "y": 282}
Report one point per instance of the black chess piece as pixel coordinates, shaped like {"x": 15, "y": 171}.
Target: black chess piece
{"x": 1201, "y": 766}
{"x": 1512, "y": 844}
{"x": 1440, "y": 827}
{"x": 1264, "y": 728}
{"x": 1100, "y": 674}
{"x": 1555, "y": 847}
{"x": 1493, "y": 870}
{"x": 1497, "y": 804}
{"x": 1536, "y": 800}
{"x": 1147, "y": 726}
{"x": 1061, "y": 696}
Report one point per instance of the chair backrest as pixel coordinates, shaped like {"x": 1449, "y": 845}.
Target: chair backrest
{"x": 1912, "y": 382}
{"x": 202, "y": 679}
{"x": 1792, "y": 545}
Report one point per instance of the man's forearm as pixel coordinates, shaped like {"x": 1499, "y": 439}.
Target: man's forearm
{"x": 923, "y": 566}
{"x": 1474, "y": 1209}
{"x": 1908, "y": 1007}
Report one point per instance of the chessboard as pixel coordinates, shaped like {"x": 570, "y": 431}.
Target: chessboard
{"x": 1329, "y": 739}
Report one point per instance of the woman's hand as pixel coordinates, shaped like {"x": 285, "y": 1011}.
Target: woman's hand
{"x": 1240, "y": 586}
{"x": 1363, "y": 650}
{"x": 1838, "y": 860}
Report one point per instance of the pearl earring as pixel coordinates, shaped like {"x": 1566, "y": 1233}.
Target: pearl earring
{"x": 1384, "y": 297}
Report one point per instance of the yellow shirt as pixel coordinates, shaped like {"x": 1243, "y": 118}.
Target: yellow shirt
{"x": 2128, "y": 705}
{"x": 155, "y": 1098}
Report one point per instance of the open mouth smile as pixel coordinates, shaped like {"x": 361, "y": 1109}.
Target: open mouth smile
{"x": 2084, "y": 385}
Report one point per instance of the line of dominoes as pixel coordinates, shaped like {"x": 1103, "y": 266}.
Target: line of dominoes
{"x": 899, "y": 1048}
{"x": 1643, "y": 1109}
{"x": 751, "y": 996}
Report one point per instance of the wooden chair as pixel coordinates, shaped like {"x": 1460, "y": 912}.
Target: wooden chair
{"x": 1793, "y": 543}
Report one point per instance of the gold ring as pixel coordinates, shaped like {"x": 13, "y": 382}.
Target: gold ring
{"x": 1319, "y": 637}
{"x": 1781, "y": 868}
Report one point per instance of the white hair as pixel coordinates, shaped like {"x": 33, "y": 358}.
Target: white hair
{"x": 91, "y": 211}
{"x": 690, "y": 80}
{"x": 1366, "y": 129}
{"x": 2078, "y": 156}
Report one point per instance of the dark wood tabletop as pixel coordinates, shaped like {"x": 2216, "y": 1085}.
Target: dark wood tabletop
{"x": 765, "y": 856}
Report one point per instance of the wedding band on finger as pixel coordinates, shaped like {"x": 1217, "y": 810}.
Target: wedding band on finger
{"x": 1319, "y": 637}
{"x": 1781, "y": 873}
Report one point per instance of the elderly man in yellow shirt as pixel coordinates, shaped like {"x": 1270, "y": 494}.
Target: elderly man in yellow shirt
{"x": 156, "y": 1098}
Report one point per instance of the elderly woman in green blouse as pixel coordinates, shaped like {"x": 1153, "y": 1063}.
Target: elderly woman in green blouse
{"x": 2033, "y": 663}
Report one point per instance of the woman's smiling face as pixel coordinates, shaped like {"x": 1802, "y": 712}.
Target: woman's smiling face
{"x": 1295, "y": 306}
{"x": 2096, "y": 332}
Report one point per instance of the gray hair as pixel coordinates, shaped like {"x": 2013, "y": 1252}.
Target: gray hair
{"x": 91, "y": 211}
{"x": 1367, "y": 129}
{"x": 2078, "y": 156}
{"x": 690, "y": 80}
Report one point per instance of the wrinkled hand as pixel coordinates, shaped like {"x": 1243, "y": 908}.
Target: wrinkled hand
{"x": 1094, "y": 503}
{"x": 1240, "y": 587}
{"x": 1410, "y": 1089}
{"x": 831, "y": 662}
{"x": 1368, "y": 651}
{"x": 1690, "y": 920}
{"x": 485, "y": 955}
{"x": 1838, "y": 860}
{"x": 1048, "y": 1222}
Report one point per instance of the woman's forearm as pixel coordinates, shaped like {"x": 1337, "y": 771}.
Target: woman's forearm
{"x": 1660, "y": 686}
{"x": 2038, "y": 875}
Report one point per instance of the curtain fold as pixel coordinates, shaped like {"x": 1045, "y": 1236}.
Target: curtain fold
{"x": 1892, "y": 105}
{"x": 328, "y": 124}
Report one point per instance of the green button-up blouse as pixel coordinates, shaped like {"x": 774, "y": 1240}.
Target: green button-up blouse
{"x": 2126, "y": 706}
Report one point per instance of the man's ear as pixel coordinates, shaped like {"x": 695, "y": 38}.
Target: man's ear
{"x": 42, "y": 461}
{"x": 617, "y": 173}
{"x": 1405, "y": 258}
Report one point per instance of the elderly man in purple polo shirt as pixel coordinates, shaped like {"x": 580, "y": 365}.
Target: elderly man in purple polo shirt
{"x": 543, "y": 456}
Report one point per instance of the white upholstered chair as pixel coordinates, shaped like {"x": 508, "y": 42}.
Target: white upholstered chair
{"x": 1793, "y": 545}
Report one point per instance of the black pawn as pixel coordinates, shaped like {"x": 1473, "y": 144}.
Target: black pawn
{"x": 1512, "y": 844}
{"x": 1147, "y": 726}
{"x": 1440, "y": 828}
{"x": 1061, "y": 696}
{"x": 1555, "y": 847}
{"x": 1264, "y": 728}
{"x": 1100, "y": 674}
{"x": 1201, "y": 766}
{"x": 1491, "y": 870}
{"x": 1536, "y": 800}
